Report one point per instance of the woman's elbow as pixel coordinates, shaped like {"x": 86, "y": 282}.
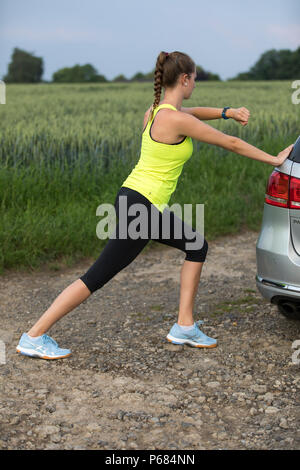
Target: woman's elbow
{"x": 234, "y": 144}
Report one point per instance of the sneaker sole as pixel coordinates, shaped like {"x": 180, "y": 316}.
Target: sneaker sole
{"x": 173, "y": 340}
{"x": 33, "y": 353}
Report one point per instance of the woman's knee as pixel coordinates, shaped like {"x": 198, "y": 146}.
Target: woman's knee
{"x": 198, "y": 254}
{"x": 91, "y": 283}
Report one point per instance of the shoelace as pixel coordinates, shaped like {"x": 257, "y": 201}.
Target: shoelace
{"x": 48, "y": 339}
{"x": 200, "y": 332}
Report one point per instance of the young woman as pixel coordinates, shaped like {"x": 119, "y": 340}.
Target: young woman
{"x": 166, "y": 146}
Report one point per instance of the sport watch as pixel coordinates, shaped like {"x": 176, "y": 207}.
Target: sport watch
{"x": 224, "y": 111}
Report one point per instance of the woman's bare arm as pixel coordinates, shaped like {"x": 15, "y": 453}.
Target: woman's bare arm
{"x": 206, "y": 114}
{"x": 186, "y": 124}
{"x": 240, "y": 115}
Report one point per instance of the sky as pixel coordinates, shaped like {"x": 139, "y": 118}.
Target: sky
{"x": 126, "y": 36}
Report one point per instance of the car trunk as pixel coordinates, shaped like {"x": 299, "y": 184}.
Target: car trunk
{"x": 295, "y": 213}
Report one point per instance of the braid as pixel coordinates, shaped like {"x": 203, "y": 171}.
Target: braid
{"x": 158, "y": 76}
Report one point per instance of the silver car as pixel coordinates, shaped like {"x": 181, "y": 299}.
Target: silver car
{"x": 278, "y": 244}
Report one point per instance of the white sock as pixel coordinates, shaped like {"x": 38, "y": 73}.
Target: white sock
{"x": 186, "y": 328}
{"x": 34, "y": 337}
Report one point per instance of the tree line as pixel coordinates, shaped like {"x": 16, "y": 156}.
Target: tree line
{"x": 26, "y": 68}
{"x": 274, "y": 64}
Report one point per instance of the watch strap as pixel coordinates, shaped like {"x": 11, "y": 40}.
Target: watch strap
{"x": 224, "y": 111}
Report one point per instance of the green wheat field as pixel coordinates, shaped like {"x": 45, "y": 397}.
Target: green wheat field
{"x": 66, "y": 149}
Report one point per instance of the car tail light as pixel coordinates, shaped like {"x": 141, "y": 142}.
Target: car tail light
{"x": 294, "y": 202}
{"x": 283, "y": 190}
{"x": 278, "y": 189}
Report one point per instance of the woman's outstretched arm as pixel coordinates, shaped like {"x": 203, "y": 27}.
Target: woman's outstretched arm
{"x": 186, "y": 124}
{"x": 241, "y": 115}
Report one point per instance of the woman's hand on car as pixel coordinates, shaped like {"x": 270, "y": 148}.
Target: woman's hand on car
{"x": 240, "y": 115}
{"x": 283, "y": 155}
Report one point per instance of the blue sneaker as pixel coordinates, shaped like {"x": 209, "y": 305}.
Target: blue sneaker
{"x": 44, "y": 347}
{"x": 194, "y": 337}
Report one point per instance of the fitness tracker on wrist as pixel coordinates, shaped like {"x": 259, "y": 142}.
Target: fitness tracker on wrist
{"x": 224, "y": 111}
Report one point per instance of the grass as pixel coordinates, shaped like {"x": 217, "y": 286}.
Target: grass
{"x": 156, "y": 308}
{"x": 245, "y": 301}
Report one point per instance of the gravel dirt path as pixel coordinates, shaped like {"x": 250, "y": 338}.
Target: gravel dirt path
{"x": 125, "y": 386}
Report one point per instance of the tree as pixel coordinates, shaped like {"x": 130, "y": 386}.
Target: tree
{"x": 143, "y": 77}
{"x": 120, "y": 78}
{"x": 295, "y": 65}
{"x": 150, "y": 75}
{"x": 269, "y": 65}
{"x": 24, "y": 68}
{"x": 274, "y": 65}
{"x": 203, "y": 75}
{"x": 78, "y": 74}
{"x": 138, "y": 77}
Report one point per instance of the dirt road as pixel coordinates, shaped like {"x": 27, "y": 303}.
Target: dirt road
{"x": 125, "y": 386}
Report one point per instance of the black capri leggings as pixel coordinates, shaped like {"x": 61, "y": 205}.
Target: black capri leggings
{"x": 120, "y": 252}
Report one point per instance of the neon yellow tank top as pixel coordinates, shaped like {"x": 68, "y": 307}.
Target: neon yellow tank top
{"x": 156, "y": 174}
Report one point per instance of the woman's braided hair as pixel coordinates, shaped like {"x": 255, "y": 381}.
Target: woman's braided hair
{"x": 167, "y": 70}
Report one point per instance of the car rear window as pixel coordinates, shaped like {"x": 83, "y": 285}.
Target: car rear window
{"x": 295, "y": 154}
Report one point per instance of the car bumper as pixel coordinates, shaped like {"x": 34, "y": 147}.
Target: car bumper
{"x": 278, "y": 264}
{"x": 272, "y": 290}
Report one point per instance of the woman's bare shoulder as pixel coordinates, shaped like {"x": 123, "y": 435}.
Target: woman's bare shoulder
{"x": 166, "y": 110}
